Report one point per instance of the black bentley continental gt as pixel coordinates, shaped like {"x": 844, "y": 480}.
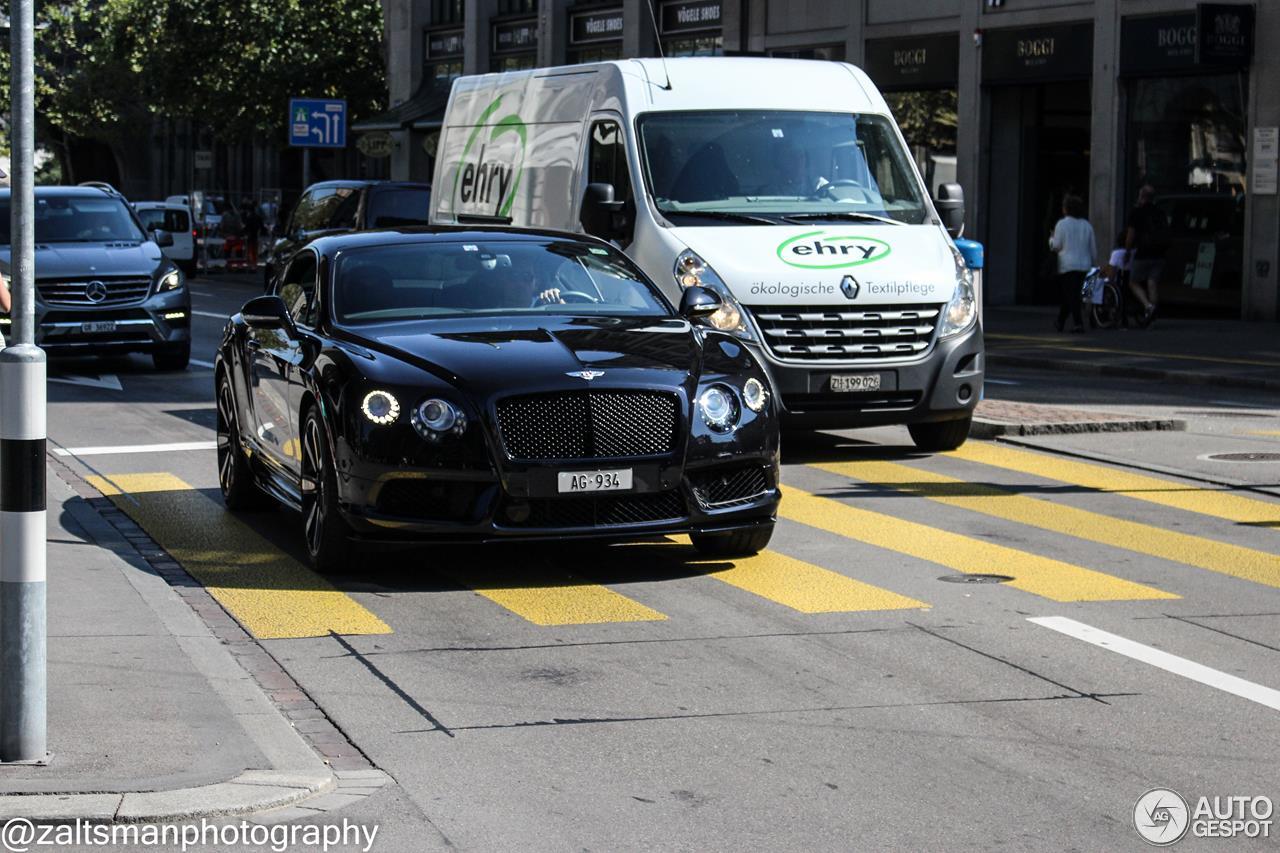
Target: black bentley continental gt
{"x": 474, "y": 384}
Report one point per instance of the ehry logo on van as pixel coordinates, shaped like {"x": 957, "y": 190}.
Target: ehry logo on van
{"x": 814, "y": 251}
{"x": 492, "y": 177}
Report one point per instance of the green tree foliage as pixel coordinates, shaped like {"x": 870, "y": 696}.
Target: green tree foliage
{"x": 231, "y": 65}
{"x": 927, "y": 119}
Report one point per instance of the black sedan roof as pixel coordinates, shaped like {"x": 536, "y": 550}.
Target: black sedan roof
{"x": 329, "y": 246}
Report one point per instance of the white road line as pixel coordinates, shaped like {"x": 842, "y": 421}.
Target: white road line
{"x": 1162, "y": 660}
{"x": 198, "y": 363}
{"x": 136, "y": 448}
{"x": 212, "y": 314}
{"x": 991, "y": 381}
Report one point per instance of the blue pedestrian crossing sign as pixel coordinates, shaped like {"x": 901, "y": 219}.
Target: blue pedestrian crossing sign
{"x": 317, "y": 123}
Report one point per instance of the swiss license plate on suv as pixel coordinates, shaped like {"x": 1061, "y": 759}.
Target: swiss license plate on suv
{"x": 617, "y": 480}
{"x": 99, "y": 326}
{"x": 855, "y": 382}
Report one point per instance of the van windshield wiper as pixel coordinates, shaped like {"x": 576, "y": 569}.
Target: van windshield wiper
{"x": 726, "y": 215}
{"x": 841, "y": 214}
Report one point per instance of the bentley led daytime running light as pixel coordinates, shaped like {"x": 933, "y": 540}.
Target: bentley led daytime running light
{"x": 380, "y": 407}
{"x": 719, "y": 408}
{"x": 434, "y": 418}
{"x": 754, "y": 394}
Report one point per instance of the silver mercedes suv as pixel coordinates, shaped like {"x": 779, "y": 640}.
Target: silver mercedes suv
{"x": 102, "y": 283}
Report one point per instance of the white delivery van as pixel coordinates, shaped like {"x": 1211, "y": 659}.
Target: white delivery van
{"x": 784, "y": 185}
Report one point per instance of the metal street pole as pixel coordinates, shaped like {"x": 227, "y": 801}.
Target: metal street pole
{"x": 306, "y": 168}
{"x": 23, "y": 683}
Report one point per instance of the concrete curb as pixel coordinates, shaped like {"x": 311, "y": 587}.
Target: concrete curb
{"x": 1185, "y": 376}
{"x": 298, "y": 783}
{"x": 995, "y": 429}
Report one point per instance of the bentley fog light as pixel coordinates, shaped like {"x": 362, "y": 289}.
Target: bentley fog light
{"x": 380, "y": 407}
{"x": 434, "y": 418}
{"x": 961, "y": 312}
{"x": 719, "y": 408}
{"x": 691, "y": 270}
{"x": 754, "y": 394}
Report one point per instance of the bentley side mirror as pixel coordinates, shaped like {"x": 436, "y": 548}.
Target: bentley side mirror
{"x": 949, "y": 203}
{"x": 601, "y": 216}
{"x": 162, "y": 238}
{"x": 267, "y": 312}
{"x": 698, "y": 302}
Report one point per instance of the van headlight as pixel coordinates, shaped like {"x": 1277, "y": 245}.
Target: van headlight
{"x": 690, "y": 271}
{"x": 171, "y": 280}
{"x": 962, "y": 311}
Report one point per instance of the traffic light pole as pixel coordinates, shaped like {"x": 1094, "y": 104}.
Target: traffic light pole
{"x": 23, "y": 681}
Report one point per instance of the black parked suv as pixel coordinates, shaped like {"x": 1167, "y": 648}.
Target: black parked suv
{"x": 102, "y": 284}
{"x": 341, "y": 207}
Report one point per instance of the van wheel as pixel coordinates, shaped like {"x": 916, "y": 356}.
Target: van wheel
{"x": 172, "y": 358}
{"x": 940, "y": 436}
{"x": 735, "y": 543}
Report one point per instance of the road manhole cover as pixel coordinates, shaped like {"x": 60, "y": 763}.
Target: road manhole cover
{"x": 1229, "y": 414}
{"x": 975, "y": 578}
{"x": 1245, "y": 457}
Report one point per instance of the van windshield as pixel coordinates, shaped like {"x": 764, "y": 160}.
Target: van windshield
{"x": 774, "y": 165}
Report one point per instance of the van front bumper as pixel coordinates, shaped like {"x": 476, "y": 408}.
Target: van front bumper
{"x": 944, "y": 385}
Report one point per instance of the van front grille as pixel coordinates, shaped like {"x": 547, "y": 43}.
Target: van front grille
{"x": 837, "y": 333}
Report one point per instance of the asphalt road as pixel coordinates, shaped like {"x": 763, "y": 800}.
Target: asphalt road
{"x": 839, "y": 691}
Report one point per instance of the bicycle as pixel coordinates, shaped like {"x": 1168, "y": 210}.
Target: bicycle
{"x": 1102, "y": 300}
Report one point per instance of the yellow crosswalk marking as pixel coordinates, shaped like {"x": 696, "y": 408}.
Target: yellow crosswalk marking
{"x": 1043, "y": 576}
{"x": 567, "y": 603}
{"x": 1221, "y": 557}
{"x": 1214, "y": 502}
{"x": 781, "y": 579}
{"x": 272, "y": 595}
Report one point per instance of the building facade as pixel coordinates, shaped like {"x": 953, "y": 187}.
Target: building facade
{"x": 1020, "y": 101}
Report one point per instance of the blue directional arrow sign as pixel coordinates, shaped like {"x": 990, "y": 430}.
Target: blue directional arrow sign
{"x": 317, "y": 123}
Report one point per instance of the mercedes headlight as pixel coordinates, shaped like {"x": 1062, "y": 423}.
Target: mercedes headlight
{"x": 719, "y": 408}
{"x": 380, "y": 407}
{"x": 171, "y": 280}
{"x": 962, "y": 311}
{"x": 435, "y": 418}
{"x": 691, "y": 270}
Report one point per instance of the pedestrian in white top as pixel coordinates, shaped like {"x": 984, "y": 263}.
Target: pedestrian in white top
{"x": 1077, "y": 251}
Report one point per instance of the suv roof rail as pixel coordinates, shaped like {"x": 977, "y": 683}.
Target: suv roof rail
{"x": 101, "y": 185}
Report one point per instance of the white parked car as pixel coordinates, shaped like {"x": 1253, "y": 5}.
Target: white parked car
{"x": 176, "y": 219}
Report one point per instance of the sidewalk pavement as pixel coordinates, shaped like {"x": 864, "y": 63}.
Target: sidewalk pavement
{"x": 1228, "y": 353}
{"x": 151, "y": 717}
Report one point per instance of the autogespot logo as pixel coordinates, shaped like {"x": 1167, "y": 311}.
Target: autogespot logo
{"x": 814, "y": 250}
{"x": 490, "y": 179}
{"x": 1161, "y": 817}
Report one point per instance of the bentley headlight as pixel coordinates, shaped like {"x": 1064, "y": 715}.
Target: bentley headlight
{"x": 691, "y": 270}
{"x": 380, "y": 407}
{"x": 719, "y": 408}
{"x": 754, "y": 394}
{"x": 962, "y": 311}
{"x": 171, "y": 280}
{"x": 435, "y": 418}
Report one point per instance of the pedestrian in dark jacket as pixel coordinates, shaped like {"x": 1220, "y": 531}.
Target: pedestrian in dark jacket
{"x": 251, "y": 221}
{"x": 1147, "y": 242}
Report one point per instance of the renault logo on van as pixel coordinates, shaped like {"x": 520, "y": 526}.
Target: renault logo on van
{"x": 815, "y": 250}
{"x": 487, "y": 177}
{"x": 849, "y": 287}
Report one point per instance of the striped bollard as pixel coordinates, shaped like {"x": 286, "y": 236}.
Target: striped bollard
{"x": 23, "y": 712}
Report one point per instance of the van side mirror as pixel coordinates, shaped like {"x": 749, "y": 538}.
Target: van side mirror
{"x": 267, "y": 312}
{"x": 601, "y": 216}
{"x": 162, "y": 238}
{"x": 950, "y": 206}
{"x": 698, "y": 302}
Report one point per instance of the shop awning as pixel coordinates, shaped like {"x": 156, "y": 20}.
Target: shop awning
{"x": 423, "y": 111}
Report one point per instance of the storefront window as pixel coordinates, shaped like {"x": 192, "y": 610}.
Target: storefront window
{"x": 444, "y": 73}
{"x": 515, "y": 62}
{"x": 1186, "y": 138}
{"x": 694, "y": 46}
{"x": 829, "y": 52}
{"x": 598, "y": 53}
{"x": 928, "y": 121}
